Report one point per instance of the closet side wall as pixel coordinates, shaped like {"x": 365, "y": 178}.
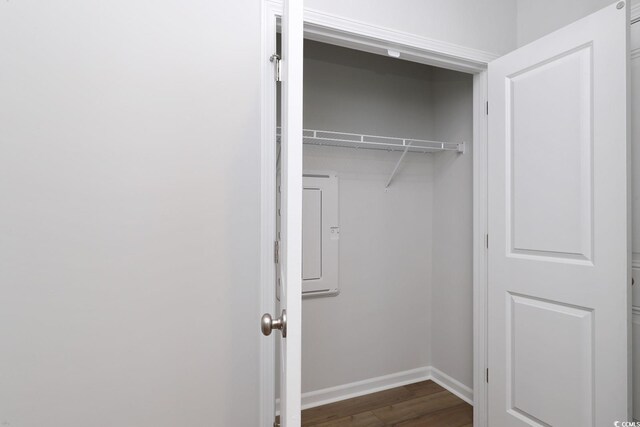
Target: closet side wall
{"x": 452, "y": 290}
{"x": 379, "y": 323}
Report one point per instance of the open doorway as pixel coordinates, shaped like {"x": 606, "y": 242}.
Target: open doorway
{"x": 387, "y": 267}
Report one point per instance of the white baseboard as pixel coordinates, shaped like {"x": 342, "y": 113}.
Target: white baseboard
{"x": 359, "y": 388}
{"x": 454, "y": 386}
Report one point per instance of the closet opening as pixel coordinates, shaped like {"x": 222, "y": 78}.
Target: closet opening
{"x": 388, "y": 240}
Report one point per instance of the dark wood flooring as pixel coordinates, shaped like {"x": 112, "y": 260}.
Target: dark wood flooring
{"x": 419, "y": 404}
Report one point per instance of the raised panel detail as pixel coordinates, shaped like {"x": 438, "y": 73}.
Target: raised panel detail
{"x": 549, "y": 159}
{"x": 311, "y": 233}
{"x": 550, "y": 365}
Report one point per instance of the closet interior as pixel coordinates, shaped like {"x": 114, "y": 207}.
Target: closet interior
{"x": 387, "y": 225}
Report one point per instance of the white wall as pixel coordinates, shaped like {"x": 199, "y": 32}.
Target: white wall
{"x": 488, "y": 25}
{"x": 379, "y": 323}
{"x": 452, "y": 288}
{"x": 537, "y": 18}
{"x": 129, "y": 180}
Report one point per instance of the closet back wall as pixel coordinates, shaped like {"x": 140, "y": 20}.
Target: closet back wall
{"x": 379, "y": 323}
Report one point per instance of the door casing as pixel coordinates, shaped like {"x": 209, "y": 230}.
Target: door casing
{"x": 338, "y": 31}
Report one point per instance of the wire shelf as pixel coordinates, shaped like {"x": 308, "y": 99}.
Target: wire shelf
{"x": 374, "y": 142}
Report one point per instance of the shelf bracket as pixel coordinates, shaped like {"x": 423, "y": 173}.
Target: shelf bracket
{"x": 395, "y": 170}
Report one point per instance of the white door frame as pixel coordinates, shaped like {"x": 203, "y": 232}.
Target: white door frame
{"x": 339, "y": 31}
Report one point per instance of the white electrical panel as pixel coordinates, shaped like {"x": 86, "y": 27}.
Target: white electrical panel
{"x": 320, "y": 234}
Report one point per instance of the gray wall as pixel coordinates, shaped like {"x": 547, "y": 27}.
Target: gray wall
{"x": 354, "y": 91}
{"x": 385, "y": 236}
{"x": 488, "y": 25}
{"x": 385, "y": 263}
{"x": 452, "y": 291}
{"x": 405, "y": 253}
{"x": 129, "y": 180}
{"x": 537, "y": 18}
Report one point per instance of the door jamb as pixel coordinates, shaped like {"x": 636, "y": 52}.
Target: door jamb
{"x": 270, "y": 11}
{"x": 339, "y": 31}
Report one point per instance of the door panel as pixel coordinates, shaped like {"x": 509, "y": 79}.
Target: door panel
{"x": 560, "y": 140}
{"x": 565, "y": 373}
{"x": 291, "y": 212}
{"x": 559, "y": 277}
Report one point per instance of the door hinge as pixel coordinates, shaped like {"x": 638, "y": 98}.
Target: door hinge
{"x": 487, "y": 107}
{"x": 487, "y": 375}
{"x": 275, "y": 58}
{"x": 486, "y": 240}
{"x": 276, "y": 251}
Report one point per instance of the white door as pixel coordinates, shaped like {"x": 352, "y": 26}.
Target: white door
{"x": 291, "y": 212}
{"x": 559, "y": 277}
{"x": 635, "y": 149}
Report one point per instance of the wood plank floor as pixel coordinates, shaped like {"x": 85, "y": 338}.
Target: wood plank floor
{"x": 419, "y": 404}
